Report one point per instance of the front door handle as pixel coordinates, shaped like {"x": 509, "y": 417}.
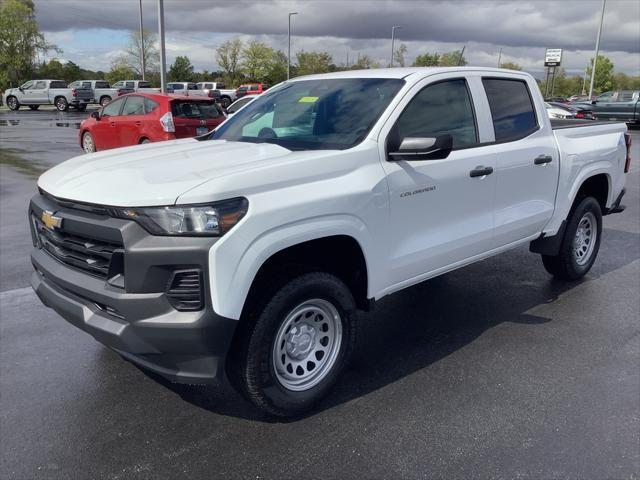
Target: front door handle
{"x": 113, "y": 124}
{"x": 138, "y": 124}
{"x": 543, "y": 159}
{"x": 480, "y": 171}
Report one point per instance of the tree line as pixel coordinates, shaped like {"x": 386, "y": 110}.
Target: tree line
{"x": 22, "y": 44}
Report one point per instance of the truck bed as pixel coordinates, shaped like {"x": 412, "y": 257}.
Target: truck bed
{"x": 557, "y": 123}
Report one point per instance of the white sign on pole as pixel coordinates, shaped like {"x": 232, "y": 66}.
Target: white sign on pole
{"x": 553, "y": 57}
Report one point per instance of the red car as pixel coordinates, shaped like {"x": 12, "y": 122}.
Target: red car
{"x": 251, "y": 89}
{"x": 144, "y": 117}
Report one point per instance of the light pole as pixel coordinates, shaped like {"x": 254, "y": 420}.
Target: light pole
{"x": 163, "y": 58}
{"x": 289, "y": 49}
{"x": 393, "y": 38}
{"x": 595, "y": 58}
{"x": 144, "y": 67}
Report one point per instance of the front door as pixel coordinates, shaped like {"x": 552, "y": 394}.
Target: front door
{"x": 38, "y": 94}
{"x": 105, "y": 131}
{"x": 440, "y": 212}
{"x": 130, "y": 121}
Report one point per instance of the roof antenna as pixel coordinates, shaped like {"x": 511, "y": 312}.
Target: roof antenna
{"x": 461, "y": 54}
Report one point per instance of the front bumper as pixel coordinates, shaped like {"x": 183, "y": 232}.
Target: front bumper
{"x": 136, "y": 319}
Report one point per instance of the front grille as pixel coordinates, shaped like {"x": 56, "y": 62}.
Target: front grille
{"x": 84, "y": 253}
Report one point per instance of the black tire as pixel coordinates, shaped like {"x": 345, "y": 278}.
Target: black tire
{"x": 145, "y": 140}
{"x": 104, "y": 100}
{"x": 34, "y": 107}
{"x": 61, "y": 104}
{"x": 82, "y": 108}
{"x": 225, "y": 102}
{"x": 567, "y": 265}
{"x": 13, "y": 103}
{"x": 252, "y": 369}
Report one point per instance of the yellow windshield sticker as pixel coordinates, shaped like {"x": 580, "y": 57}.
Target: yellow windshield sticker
{"x": 308, "y": 100}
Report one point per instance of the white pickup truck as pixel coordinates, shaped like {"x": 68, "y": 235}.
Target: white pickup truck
{"x": 129, "y": 86}
{"x": 246, "y": 252}
{"x": 48, "y": 92}
{"x": 102, "y": 91}
{"x": 227, "y": 96}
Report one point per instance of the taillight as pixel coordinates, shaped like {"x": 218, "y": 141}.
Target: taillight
{"x": 627, "y": 164}
{"x": 74, "y": 92}
{"x": 166, "y": 121}
{"x": 579, "y": 115}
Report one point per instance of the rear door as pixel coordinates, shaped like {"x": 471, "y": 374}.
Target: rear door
{"x": 105, "y": 131}
{"x": 526, "y": 159}
{"x": 130, "y": 122}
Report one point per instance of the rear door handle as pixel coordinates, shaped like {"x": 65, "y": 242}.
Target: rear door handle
{"x": 138, "y": 124}
{"x": 480, "y": 171}
{"x": 543, "y": 159}
{"x": 113, "y": 124}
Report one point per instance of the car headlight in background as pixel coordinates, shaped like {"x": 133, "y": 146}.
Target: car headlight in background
{"x": 214, "y": 219}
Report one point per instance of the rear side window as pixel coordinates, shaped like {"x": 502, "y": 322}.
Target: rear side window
{"x": 57, "y": 84}
{"x": 187, "y": 109}
{"x": 221, "y": 86}
{"x": 130, "y": 84}
{"x": 440, "y": 109}
{"x": 40, "y": 85}
{"x": 101, "y": 85}
{"x": 512, "y": 109}
{"x": 150, "y": 105}
{"x": 192, "y": 86}
{"x": 133, "y": 106}
{"x": 144, "y": 85}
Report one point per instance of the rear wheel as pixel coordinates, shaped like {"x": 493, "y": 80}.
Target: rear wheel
{"x": 580, "y": 244}
{"x": 225, "y": 102}
{"x": 13, "y": 103}
{"x": 290, "y": 353}
{"x": 61, "y": 104}
{"x": 88, "y": 145}
{"x": 34, "y": 107}
{"x": 104, "y": 100}
{"x": 145, "y": 140}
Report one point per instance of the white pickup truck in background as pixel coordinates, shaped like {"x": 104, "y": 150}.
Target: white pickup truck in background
{"x": 227, "y": 96}
{"x": 102, "y": 91}
{"x": 247, "y": 252}
{"x": 48, "y": 92}
{"x": 130, "y": 86}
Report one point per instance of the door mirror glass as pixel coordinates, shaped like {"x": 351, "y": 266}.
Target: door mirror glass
{"x": 423, "y": 148}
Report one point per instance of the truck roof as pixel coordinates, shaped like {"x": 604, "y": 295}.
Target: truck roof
{"x": 402, "y": 72}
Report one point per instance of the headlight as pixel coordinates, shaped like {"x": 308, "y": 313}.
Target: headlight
{"x": 213, "y": 220}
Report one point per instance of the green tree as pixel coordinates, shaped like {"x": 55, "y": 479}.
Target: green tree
{"x": 398, "y": 55}
{"x": 604, "y": 74}
{"x": 53, "y": 69}
{"x": 277, "y": 71}
{"x": 510, "y": 66}
{"x": 181, "y": 70}
{"x": 452, "y": 59}
{"x": 119, "y": 72}
{"x": 364, "y": 61}
{"x": 228, "y": 57}
{"x": 256, "y": 61}
{"x": 308, "y": 63}
{"x": 20, "y": 42}
{"x": 132, "y": 57}
{"x": 427, "y": 60}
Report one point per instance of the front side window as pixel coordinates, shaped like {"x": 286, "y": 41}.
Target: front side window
{"x": 113, "y": 108}
{"x": 605, "y": 97}
{"x": 27, "y": 85}
{"x": 334, "y": 113}
{"x": 130, "y": 84}
{"x": 133, "y": 106}
{"x": 119, "y": 84}
{"x": 440, "y": 109}
{"x": 511, "y": 107}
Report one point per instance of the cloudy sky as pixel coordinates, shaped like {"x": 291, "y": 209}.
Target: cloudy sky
{"x": 93, "y": 32}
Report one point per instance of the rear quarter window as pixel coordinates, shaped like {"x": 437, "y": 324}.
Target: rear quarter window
{"x": 512, "y": 110}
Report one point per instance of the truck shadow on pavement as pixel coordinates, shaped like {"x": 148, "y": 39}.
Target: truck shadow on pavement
{"x": 415, "y": 328}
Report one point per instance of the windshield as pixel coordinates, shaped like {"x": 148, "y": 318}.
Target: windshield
{"x": 312, "y": 114}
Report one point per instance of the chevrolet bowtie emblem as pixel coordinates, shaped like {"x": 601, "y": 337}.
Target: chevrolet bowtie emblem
{"x": 50, "y": 220}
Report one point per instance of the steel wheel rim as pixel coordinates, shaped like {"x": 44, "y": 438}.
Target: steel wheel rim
{"x": 87, "y": 143}
{"x": 307, "y": 345}
{"x": 12, "y": 102}
{"x": 60, "y": 105}
{"x": 584, "y": 242}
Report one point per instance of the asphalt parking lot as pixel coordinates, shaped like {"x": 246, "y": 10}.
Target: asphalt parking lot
{"x": 491, "y": 371}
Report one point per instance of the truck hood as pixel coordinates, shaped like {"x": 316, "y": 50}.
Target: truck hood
{"x": 156, "y": 173}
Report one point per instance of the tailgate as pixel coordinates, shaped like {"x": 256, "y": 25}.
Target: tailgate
{"x": 84, "y": 94}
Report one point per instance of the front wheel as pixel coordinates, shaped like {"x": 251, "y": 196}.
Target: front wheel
{"x": 291, "y": 352}
{"x": 61, "y": 104}
{"x": 13, "y": 103}
{"x": 580, "y": 244}
{"x": 225, "y": 102}
{"x": 88, "y": 144}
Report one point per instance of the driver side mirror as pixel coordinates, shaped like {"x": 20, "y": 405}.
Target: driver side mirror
{"x": 21, "y": 89}
{"x": 423, "y": 148}
{"x": 95, "y": 115}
